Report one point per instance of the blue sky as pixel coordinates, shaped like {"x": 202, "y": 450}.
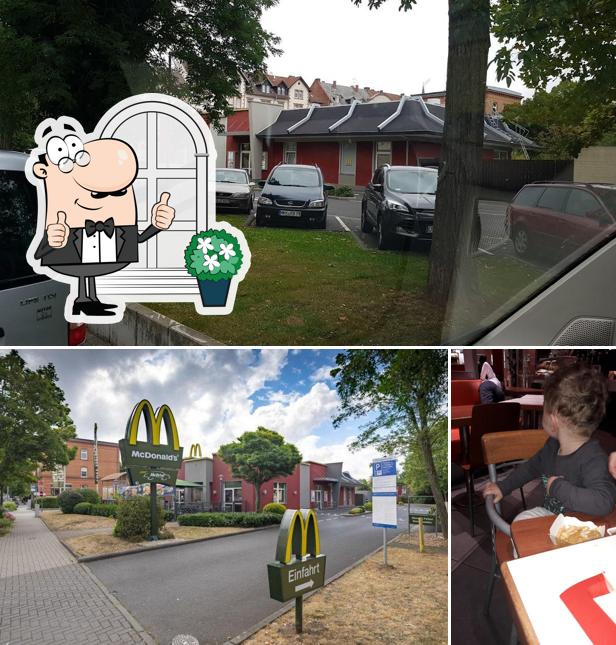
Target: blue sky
{"x": 215, "y": 394}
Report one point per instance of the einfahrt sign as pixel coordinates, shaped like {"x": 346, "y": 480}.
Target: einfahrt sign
{"x": 299, "y": 566}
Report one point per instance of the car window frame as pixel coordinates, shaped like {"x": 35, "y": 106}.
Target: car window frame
{"x": 578, "y": 189}
{"x": 565, "y": 189}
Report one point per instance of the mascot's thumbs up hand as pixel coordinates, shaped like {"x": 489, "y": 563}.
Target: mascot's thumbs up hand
{"x": 162, "y": 213}
{"x": 57, "y": 234}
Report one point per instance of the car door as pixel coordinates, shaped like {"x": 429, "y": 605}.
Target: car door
{"x": 31, "y": 305}
{"x": 551, "y": 224}
{"x": 586, "y": 219}
{"x": 373, "y": 195}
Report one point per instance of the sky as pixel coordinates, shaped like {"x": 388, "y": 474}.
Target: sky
{"x": 384, "y": 49}
{"x": 215, "y": 395}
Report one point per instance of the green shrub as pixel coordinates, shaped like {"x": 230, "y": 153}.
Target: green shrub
{"x": 68, "y": 500}
{"x": 367, "y": 506}
{"x": 83, "y": 508}
{"x": 342, "y": 191}
{"x": 274, "y": 507}
{"x": 357, "y": 510}
{"x": 90, "y": 495}
{"x": 9, "y": 506}
{"x": 46, "y": 502}
{"x": 169, "y": 516}
{"x": 133, "y": 518}
{"x": 5, "y": 525}
{"x": 229, "y": 519}
{"x": 165, "y": 534}
{"x": 104, "y": 510}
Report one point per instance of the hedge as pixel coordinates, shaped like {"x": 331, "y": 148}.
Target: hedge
{"x": 9, "y": 506}
{"x": 46, "y": 502}
{"x": 275, "y": 507}
{"x": 134, "y": 518}
{"x": 229, "y": 519}
{"x": 83, "y": 508}
{"x": 104, "y": 510}
{"x": 68, "y": 500}
{"x": 357, "y": 510}
{"x": 367, "y": 506}
{"x": 89, "y": 495}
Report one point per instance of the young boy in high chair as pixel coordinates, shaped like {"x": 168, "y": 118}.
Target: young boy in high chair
{"x": 572, "y": 466}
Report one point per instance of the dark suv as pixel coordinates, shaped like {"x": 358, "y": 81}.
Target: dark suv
{"x": 399, "y": 203}
{"x": 560, "y": 216}
{"x": 293, "y": 193}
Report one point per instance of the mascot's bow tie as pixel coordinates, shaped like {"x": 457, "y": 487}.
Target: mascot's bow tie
{"x": 94, "y": 227}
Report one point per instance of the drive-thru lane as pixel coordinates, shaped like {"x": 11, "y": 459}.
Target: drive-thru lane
{"x": 217, "y": 589}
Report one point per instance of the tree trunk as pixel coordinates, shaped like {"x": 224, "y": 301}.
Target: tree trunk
{"x": 257, "y": 496}
{"x": 426, "y": 453}
{"x": 460, "y": 171}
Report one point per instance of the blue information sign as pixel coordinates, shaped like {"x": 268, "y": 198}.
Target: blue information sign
{"x": 384, "y": 468}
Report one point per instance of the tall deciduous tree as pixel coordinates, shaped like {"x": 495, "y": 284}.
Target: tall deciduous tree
{"x": 405, "y": 391}
{"x": 571, "y": 39}
{"x": 79, "y": 58}
{"x": 34, "y": 420}
{"x": 259, "y": 456}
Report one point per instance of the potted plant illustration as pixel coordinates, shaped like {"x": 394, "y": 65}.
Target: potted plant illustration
{"x": 213, "y": 257}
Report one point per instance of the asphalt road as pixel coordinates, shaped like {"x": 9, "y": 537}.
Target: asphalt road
{"x": 218, "y": 589}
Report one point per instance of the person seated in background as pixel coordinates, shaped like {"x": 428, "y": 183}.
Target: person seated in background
{"x": 572, "y": 466}
{"x": 490, "y": 390}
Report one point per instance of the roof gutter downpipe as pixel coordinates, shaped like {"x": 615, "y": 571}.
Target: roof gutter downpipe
{"x": 304, "y": 120}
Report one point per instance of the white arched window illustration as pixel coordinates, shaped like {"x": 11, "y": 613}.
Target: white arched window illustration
{"x": 176, "y": 154}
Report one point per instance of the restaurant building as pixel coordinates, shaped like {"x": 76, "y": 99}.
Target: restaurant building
{"x": 311, "y": 485}
{"x": 87, "y": 469}
{"x": 348, "y": 142}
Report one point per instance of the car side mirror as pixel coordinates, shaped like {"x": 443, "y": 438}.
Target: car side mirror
{"x": 328, "y": 187}
{"x": 261, "y": 182}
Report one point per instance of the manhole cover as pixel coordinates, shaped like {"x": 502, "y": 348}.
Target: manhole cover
{"x": 184, "y": 639}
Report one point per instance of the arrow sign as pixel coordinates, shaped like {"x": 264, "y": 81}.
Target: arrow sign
{"x": 305, "y": 585}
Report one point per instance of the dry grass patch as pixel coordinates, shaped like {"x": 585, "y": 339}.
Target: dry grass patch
{"x": 101, "y": 544}
{"x": 405, "y": 603}
{"x": 58, "y": 521}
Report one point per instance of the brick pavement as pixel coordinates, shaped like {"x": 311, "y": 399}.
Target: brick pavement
{"x": 46, "y": 596}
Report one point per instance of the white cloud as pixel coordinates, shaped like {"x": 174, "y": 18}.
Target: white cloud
{"x": 322, "y": 373}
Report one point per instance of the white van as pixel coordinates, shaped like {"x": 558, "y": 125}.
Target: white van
{"x": 31, "y": 305}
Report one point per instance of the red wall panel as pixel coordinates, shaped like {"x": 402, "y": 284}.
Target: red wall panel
{"x": 326, "y": 154}
{"x": 398, "y": 153}
{"x": 363, "y": 168}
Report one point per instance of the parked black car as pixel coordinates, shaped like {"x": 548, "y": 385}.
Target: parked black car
{"x": 399, "y": 203}
{"x": 233, "y": 190}
{"x": 293, "y": 193}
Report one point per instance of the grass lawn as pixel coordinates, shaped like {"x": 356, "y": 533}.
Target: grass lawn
{"x": 321, "y": 288}
{"x": 404, "y": 603}
{"x": 56, "y": 520}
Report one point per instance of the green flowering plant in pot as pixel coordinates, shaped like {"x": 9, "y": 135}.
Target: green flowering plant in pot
{"x": 214, "y": 257}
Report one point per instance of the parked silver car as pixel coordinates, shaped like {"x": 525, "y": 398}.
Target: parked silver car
{"x": 31, "y": 305}
{"x": 233, "y": 190}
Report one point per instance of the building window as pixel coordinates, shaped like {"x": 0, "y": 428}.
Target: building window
{"x": 231, "y": 159}
{"x": 84, "y": 455}
{"x": 383, "y": 153}
{"x": 298, "y": 106}
{"x": 298, "y": 94}
{"x": 501, "y": 154}
{"x": 280, "y": 493}
{"x": 290, "y": 152}
{"x": 84, "y": 473}
{"x": 264, "y": 161}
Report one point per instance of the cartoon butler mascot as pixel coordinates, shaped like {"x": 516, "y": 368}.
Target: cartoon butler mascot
{"x": 86, "y": 198}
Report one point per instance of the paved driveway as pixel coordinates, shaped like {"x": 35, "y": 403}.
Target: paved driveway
{"x": 215, "y": 590}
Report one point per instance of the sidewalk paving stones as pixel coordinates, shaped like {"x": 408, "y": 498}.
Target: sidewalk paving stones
{"x": 47, "y": 597}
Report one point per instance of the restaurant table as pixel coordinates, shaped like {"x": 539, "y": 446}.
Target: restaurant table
{"x": 533, "y": 536}
{"x": 534, "y": 585}
{"x": 532, "y": 409}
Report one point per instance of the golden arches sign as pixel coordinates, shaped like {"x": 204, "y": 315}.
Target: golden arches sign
{"x": 153, "y": 422}
{"x": 195, "y": 451}
{"x": 150, "y": 461}
{"x": 298, "y": 535}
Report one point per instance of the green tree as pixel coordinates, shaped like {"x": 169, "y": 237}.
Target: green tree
{"x": 259, "y": 456}
{"x": 405, "y": 392}
{"x": 414, "y": 471}
{"x": 565, "y": 119}
{"x": 571, "y": 39}
{"x": 79, "y": 58}
{"x": 34, "y": 420}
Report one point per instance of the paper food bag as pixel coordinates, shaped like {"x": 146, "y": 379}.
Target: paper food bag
{"x": 570, "y": 530}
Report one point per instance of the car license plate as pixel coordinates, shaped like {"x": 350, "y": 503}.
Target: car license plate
{"x": 290, "y": 213}
{"x": 223, "y": 201}
{"x": 428, "y": 229}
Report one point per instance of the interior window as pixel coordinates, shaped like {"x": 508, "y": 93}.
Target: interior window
{"x": 529, "y": 195}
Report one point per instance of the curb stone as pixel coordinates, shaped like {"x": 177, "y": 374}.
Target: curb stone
{"x": 144, "y": 326}
{"x": 251, "y": 631}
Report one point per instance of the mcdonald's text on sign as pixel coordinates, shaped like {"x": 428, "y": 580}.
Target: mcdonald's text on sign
{"x": 149, "y": 462}
{"x": 299, "y": 566}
